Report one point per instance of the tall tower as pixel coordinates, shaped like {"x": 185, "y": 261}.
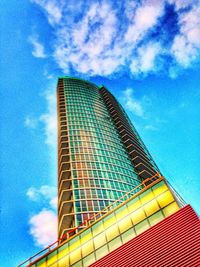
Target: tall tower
{"x": 103, "y": 162}
{"x": 100, "y": 154}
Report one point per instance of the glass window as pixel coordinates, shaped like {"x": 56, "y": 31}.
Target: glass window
{"x": 99, "y": 240}
{"x": 170, "y": 209}
{"x": 122, "y": 212}
{"x": 101, "y": 252}
{"x": 63, "y": 255}
{"x": 146, "y": 196}
{"x": 112, "y": 232}
{"x": 109, "y": 220}
{"x": 85, "y": 236}
{"x": 74, "y": 243}
{"x": 165, "y": 198}
{"x": 89, "y": 259}
{"x": 87, "y": 248}
{"x": 125, "y": 224}
{"x": 77, "y": 264}
{"x": 141, "y": 227}
{"x": 159, "y": 188}
{"x": 97, "y": 228}
{"x": 151, "y": 207}
{"x": 75, "y": 256}
{"x": 128, "y": 235}
{"x": 155, "y": 218}
{"x": 42, "y": 263}
{"x": 134, "y": 204}
{"x": 64, "y": 261}
{"x": 137, "y": 216}
{"x": 52, "y": 258}
{"x": 115, "y": 243}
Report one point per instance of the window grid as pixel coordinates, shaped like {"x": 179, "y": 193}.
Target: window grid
{"x": 96, "y": 151}
{"x": 132, "y": 218}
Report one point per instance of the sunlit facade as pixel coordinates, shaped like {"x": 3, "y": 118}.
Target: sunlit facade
{"x": 125, "y": 220}
{"x": 101, "y": 156}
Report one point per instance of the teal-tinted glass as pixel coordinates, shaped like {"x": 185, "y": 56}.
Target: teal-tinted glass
{"x": 99, "y": 159}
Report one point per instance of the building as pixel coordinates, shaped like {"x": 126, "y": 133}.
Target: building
{"x": 100, "y": 154}
{"x": 151, "y": 227}
{"x": 115, "y": 208}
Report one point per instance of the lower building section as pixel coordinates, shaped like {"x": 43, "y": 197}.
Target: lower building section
{"x": 174, "y": 241}
{"x": 146, "y": 227}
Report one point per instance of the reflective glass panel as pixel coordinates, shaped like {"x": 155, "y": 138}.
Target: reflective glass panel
{"x": 141, "y": 227}
{"x": 137, "y": 216}
{"x": 155, "y": 218}
{"x": 165, "y": 198}
{"x": 151, "y": 207}
{"x": 170, "y": 209}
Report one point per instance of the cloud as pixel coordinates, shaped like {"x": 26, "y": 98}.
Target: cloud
{"x": 145, "y": 18}
{"x": 43, "y": 227}
{"x": 108, "y": 37}
{"x": 45, "y": 191}
{"x": 30, "y": 122}
{"x": 47, "y": 74}
{"x": 53, "y": 9}
{"x": 38, "y": 48}
{"x": 150, "y": 127}
{"x": 186, "y": 45}
{"x": 49, "y": 119}
{"x": 180, "y": 4}
{"x": 145, "y": 59}
{"x": 54, "y": 202}
{"x": 131, "y": 103}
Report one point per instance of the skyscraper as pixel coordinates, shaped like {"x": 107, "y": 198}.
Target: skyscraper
{"x": 115, "y": 208}
{"x": 100, "y": 154}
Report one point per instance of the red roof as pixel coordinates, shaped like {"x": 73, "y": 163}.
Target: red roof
{"x": 173, "y": 242}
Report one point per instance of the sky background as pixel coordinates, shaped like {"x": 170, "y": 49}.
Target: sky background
{"x": 146, "y": 52}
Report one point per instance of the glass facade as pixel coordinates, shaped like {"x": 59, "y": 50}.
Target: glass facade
{"x": 98, "y": 165}
{"x": 100, "y": 159}
{"x": 137, "y": 151}
{"x": 129, "y": 219}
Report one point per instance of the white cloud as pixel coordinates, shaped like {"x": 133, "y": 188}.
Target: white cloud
{"x": 45, "y": 191}
{"x": 85, "y": 46}
{"x": 180, "y": 4}
{"x": 43, "y": 227}
{"x": 145, "y": 59}
{"x": 131, "y": 103}
{"x": 146, "y": 17}
{"x": 93, "y": 39}
{"x": 47, "y": 74}
{"x": 186, "y": 45}
{"x": 38, "y": 48}
{"x": 30, "y": 122}
{"x": 106, "y": 37}
{"x": 150, "y": 127}
{"x": 54, "y": 202}
{"x": 32, "y": 194}
{"x": 92, "y": 43}
{"x": 47, "y": 195}
{"x": 52, "y": 8}
{"x": 49, "y": 119}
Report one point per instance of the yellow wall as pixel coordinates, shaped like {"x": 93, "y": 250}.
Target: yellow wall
{"x": 116, "y": 228}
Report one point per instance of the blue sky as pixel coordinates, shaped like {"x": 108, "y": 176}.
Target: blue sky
{"x": 146, "y": 52}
